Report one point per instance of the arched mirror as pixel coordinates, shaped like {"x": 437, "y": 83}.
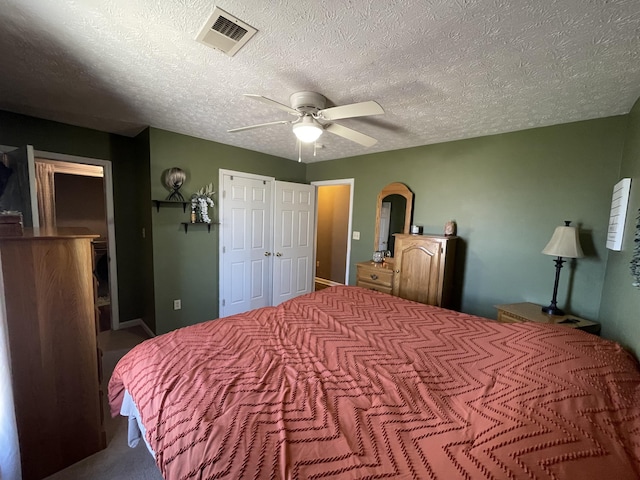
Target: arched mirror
{"x": 393, "y": 214}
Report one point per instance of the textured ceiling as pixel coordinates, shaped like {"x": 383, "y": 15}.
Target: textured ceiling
{"x": 441, "y": 69}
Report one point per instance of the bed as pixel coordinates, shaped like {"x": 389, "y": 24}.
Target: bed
{"x": 350, "y": 383}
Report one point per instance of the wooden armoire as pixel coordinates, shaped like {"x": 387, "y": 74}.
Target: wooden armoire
{"x": 421, "y": 270}
{"x": 51, "y": 324}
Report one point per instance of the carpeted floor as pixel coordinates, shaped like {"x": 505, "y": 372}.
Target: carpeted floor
{"x": 118, "y": 461}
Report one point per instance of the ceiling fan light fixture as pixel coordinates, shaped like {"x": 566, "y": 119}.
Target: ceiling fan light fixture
{"x": 313, "y": 118}
{"x": 307, "y": 130}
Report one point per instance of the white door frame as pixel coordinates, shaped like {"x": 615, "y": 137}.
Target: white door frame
{"x": 221, "y": 198}
{"x": 31, "y": 159}
{"x": 351, "y": 183}
{"x": 111, "y": 229}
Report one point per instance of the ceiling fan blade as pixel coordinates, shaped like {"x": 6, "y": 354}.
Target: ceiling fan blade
{"x": 361, "y": 138}
{"x": 273, "y": 103}
{"x": 260, "y": 125}
{"x": 361, "y": 109}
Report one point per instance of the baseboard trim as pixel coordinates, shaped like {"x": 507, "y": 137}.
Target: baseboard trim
{"x": 328, "y": 283}
{"x": 136, "y": 322}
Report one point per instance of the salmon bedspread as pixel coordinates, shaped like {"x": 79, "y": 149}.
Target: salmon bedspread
{"x": 350, "y": 383}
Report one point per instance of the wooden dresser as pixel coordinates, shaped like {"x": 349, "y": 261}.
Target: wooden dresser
{"x": 51, "y": 324}
{"x": 375, "y": 276}
{"x": 422, "y": 270}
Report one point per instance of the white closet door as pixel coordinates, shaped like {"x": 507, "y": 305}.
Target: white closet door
{"x": 246, "y": 232}
{"x": 294, "y": 240}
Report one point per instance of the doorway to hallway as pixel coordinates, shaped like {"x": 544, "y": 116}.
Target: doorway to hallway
{"x": 333, "y": 232}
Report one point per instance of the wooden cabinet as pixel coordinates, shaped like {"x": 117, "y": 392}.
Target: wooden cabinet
{"x": 531, "y": 312}
{"x": 424, "y": 268}
{"x": 375, "y": 276}
{"x": 49, "y": 298}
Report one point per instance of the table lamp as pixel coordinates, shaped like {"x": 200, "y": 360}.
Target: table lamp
{"x": 564, "y": 243}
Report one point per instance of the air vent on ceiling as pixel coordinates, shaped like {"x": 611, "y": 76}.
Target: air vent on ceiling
{"x": 225, "y": 32}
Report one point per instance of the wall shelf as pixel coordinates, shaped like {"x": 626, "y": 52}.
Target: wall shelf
{"x": 159, "y": 203}
{"x": 186, "y": 225}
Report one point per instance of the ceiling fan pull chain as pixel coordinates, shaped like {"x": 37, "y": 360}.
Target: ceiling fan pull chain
{"x": 299, "y": 150}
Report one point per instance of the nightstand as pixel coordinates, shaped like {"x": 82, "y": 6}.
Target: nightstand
{"x": 531, "y": 312}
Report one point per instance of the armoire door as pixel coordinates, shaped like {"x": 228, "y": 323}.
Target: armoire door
{"x": 246, "y": 244}
{"x": 293, "y": 246}
{"x": 417, "y": 274}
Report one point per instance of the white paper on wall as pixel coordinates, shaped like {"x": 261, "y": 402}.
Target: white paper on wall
{"x": 618, "y": 215}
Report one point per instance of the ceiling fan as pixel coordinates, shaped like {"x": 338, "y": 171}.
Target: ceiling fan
{"x": 313, "y": 118}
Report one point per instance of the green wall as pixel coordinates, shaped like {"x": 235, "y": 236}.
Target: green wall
{"x": 18, "y": 130}
{"x": 620, "y": 309}
{"x": 507, "y": 193}
{"x": 144, "y": 248}
{"x": 186, "y": 265}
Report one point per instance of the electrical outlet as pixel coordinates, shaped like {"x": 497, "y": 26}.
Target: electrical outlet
{"x": 318, "y": 264}
{"x": 356, "y": 235}
{"x": 177, "y": 304}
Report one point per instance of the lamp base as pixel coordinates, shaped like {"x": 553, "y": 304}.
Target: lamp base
{"x": 552, "y": 310}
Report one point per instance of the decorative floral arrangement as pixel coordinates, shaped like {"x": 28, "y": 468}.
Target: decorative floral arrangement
{"x": 200, "y": 203}
{"x": 635, "y": 259}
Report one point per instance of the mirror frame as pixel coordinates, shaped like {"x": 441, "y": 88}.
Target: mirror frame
{"x": 395, "y": 188}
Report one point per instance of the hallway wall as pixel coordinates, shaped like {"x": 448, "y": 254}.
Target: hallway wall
{"x": 332, "y": 232}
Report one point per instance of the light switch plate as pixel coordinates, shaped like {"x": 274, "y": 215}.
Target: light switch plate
{"x": 356, "y": 235}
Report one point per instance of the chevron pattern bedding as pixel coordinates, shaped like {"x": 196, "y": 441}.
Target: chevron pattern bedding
{"x": 349, "y": 383}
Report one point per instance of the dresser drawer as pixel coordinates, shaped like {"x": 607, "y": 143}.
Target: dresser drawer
{"x": 374, "y": 286}
{"x": 375, "y": 275}
{"x": 379, "y": 278}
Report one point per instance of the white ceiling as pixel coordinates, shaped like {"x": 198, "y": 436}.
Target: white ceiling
{"x": 441, "y": 69}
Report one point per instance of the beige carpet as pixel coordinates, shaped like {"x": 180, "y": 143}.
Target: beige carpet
{"x": 117, "y": 461}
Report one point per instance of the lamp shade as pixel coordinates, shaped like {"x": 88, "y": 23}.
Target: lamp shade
{"x": 564, "y": 243}
{"x": 307, "y": 130}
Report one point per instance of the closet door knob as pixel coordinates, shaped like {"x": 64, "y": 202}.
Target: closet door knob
{"x": 267, "y": 254}
{"x": 278, "y": 254}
